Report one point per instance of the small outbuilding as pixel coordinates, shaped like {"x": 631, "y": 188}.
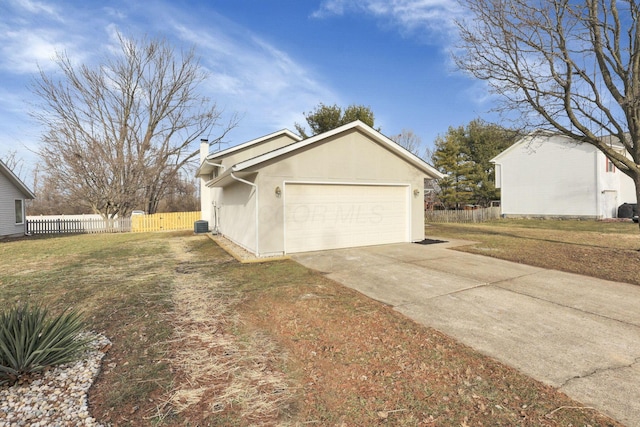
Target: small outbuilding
{"x": 13, "y": 193}
{"x": 280, "y": 194}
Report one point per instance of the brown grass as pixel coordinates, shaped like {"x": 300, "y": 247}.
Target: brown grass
{"x": 202, "y": 340}
{"x": 223, "y": 375}
{"x": 607, "y": 250}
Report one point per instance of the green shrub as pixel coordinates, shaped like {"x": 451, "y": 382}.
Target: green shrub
{"x": 30, "y": 341}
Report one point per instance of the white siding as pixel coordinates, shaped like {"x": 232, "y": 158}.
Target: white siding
{"x": 549, "y": 177}
{"x": 8, "y": 195}
{"x": 616, "y": 188}
{"x": 206, "y": 202}
{"x": 555, "y": 176}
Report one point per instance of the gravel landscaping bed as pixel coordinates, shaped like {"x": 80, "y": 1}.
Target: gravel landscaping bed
{"x": 56, "y": 397}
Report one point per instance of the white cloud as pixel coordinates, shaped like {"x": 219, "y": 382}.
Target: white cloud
{"x": 24, "y": 50}
{"x": 32, "y": 32}
{"x": 257, "y": 79}
{"x": 435, "y": 17}
{"x": 36, "y": 7}
{"x": 248, "y": 74}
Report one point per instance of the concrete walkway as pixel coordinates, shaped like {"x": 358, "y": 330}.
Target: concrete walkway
{"x": 576, "y": 333}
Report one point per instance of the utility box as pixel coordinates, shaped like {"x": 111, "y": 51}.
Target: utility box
{"x": 201, "y": 226}
{"x": 627, "y": 210}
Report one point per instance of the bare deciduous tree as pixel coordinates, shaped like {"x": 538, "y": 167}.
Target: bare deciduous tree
{"x": 572, "y": 67}
{"x": 14, "y": 163}
{"x": 409, "y": 140}
{"x": 118, "y": 134}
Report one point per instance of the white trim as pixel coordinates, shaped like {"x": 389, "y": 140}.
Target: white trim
{"x": 243, "y": 145}
{"x": 23, "y": 213}
{"x": 229, "y": 150}
{"x": 13, "y": 178}
{"x": 409, "y": 193}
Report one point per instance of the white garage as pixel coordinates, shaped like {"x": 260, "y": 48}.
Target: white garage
{"x": 328, "y": 216}
{"x": 280, "y": 194}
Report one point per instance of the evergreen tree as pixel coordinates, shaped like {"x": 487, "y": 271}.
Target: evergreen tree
{"x": 450, "y": 158}
{"x": 327, "y": 117}
{"x": 464, "y": 154}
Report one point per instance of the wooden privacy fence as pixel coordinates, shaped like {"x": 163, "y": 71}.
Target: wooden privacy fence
{"x": 164, "y": 221}
{"x": 84, "y": 225}
{"x": 461, "y": 216}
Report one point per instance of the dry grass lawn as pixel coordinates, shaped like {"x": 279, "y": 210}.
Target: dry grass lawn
{"x": 607, "y": 250}
{"x": 202, "y": 340}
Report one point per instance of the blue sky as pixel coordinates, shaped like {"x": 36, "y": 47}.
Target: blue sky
{"x": 269, "y": 60}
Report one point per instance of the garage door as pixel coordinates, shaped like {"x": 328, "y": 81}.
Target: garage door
{"x": 319, "y": 216}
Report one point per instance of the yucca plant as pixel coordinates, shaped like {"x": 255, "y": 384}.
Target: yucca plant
{"x": 30, "y": 341}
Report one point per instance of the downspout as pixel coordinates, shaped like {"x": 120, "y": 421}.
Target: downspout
{"x": 214, "y": 164}
{"x": 216, "y": 228}
{"x": 255, "y": 186}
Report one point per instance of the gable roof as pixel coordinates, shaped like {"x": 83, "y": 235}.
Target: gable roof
{"x": 13, "y": 178}
{"x": 609, "y": 139}
{"x": 358, "y": 125}
{"x": 528, "y": 138}
{"x": 223, "y": 153}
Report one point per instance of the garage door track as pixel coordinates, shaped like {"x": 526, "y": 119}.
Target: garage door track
{"x": 576, "y": 333}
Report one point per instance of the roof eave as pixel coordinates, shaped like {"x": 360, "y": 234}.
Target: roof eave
{"x": 227, "y": 178}
{"x": 13, "y": 178}
{"x": 255, "y": 141}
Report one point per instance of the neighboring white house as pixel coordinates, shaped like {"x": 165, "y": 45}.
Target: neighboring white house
{"x": 13, "y": 193}
{"x": 551, "y": 175}
{"x": 279, "y": 194}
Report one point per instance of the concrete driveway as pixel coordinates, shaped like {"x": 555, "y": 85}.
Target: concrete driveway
{"x": 576, "y": 333}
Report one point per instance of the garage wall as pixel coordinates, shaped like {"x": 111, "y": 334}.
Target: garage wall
{"x": 346, "y": 158}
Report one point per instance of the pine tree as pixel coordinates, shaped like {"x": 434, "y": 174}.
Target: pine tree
{"x": 465, "y": 154}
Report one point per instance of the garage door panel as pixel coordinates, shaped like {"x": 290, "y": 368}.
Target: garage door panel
{"x": 337, "y": 216}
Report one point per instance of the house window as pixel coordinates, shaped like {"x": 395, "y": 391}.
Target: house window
{"x": 610, "y": 166}
{"x": 19, "y": 212}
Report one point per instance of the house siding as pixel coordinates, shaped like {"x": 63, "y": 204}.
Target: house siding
{"x": 210, "y": 198}
{"x": 615, "y": 188}
{"x": 554, "y": 176}
{"x": 256, "y": 150}
{"x": 8, "y": 195}
{"x": 238, "y": 215}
